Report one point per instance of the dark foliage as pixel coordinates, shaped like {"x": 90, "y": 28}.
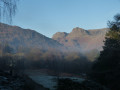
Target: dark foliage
{"x": 106, "y": 68}
{"x": 68, "y": 84}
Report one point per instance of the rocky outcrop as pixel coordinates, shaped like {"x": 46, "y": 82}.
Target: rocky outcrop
{"x": 82, "y": 40}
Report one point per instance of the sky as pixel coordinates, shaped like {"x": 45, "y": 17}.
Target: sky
{"x": 50, "y": 16}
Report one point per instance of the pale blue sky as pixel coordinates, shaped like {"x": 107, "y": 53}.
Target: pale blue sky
{"x": 50, "y": 16}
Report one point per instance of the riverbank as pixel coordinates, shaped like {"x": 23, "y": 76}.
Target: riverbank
{"x": 10, "y": 82}
{"x": 63, "y": 82}
{"x": 68, "y": 84}
{"x": 48, "y": 79}
{"x": 32, "y": 85}
{"x": 16, "y": 82}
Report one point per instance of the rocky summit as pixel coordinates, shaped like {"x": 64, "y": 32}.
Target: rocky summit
{"x": 82, "y": 40}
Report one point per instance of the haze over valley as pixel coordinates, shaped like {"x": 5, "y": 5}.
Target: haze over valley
{"x": 87, "y": 42}
{"x": 59, "y": 45}
{"x": 71, "y": 52}
{"x": 78, "y": 40}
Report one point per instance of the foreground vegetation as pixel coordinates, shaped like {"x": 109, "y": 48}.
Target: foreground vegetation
{"x": 68, "y": 84}
{"x": 106, "y": 68}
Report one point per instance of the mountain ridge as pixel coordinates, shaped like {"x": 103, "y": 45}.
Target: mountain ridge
{"x": 77, "y": 40}
{"x": 81, "y": 39}
{"x": 18, "y": 37}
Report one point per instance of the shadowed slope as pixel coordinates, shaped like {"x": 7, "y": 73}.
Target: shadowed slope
{"x": 17, "y": 37}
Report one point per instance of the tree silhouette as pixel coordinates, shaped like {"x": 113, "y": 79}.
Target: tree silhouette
{"x": 7, "y": 9}
{"x": 106, "y": 69}
{"x": 109, "y": 57}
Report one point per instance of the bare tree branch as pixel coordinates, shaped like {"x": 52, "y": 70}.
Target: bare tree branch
{"x": 7, "y": 9}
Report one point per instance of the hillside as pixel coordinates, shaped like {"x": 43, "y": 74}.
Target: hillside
{"x": 82, "y": 40}
{"x": 18, "y": 37}
{"x": 78, "y": 40}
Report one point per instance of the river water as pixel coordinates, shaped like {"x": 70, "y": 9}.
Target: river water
{"x": 48, "y": 81}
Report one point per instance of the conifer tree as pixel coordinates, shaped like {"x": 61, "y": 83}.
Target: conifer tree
{"x": 109, "y": 58}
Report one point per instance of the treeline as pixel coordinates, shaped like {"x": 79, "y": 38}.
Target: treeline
{"x": 10, "y": 61}
{"x": 58, "y": 61}
{"x": 35, "y": 58}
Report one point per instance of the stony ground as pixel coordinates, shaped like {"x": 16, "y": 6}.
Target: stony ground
{"x": 8, "y": 82}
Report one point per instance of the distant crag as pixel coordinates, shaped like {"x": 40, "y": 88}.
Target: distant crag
{"x": 82, "y": 40}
